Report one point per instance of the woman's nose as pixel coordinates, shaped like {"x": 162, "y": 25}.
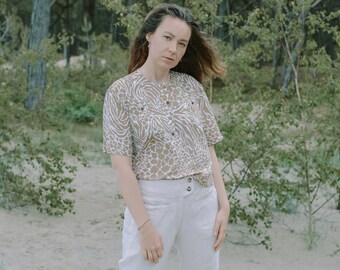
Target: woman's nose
{"x": 173, "y": 47}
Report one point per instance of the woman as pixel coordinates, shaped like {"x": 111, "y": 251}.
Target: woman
{"x": 160, "y": 132}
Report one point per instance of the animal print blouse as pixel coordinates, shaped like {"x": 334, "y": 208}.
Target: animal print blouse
{"x": 165, "y": 128}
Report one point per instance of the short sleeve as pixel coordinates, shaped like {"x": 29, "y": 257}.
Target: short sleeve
{"x": 211, "y": 129}
{"x": 116, "y": 127}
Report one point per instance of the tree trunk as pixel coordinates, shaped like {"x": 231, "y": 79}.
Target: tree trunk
{"x": 288, "y": 72}
{"x": 232, "y": 38}
{"x": 277, "y": 49}
{"x": 36, "y": 73}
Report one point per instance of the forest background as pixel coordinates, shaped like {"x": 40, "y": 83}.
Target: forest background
{"x": 278, "y": 106}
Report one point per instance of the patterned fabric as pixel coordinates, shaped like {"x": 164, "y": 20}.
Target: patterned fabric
{"x": 165, "y": 128}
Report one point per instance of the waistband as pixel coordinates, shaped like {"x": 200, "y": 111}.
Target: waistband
{"x": 171, "y": 187}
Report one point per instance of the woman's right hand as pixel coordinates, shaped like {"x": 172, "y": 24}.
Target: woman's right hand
{"x": 151, "y": 243}
{"x": 150, "y": 239}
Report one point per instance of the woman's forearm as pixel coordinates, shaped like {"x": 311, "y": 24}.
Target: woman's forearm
{"x": 129, "y": 189}
{"x": 218, "y": 182}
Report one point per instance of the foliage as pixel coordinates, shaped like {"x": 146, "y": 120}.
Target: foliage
{"x": 33, "y": 164}
{"x": 280, "y": 146}
{"x": 280, "y": 97}
{"x": 78, "y": 104}
{"x": 110, "y": 63}
{"x": 336, "y": 251}
{"x": 80, "y": 99}
{"x": 255, "y": 175}
{"x": 278, "y": 149}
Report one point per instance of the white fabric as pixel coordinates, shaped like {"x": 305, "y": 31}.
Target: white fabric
{"x": 184, "y": 213}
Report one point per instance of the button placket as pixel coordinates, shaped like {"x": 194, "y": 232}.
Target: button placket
{"x": 190, "y": 185}
{"x": 170, "y": 117}
{"x": 167, "y": 101}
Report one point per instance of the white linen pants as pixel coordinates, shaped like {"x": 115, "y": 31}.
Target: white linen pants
{"x": 184, "y": 213}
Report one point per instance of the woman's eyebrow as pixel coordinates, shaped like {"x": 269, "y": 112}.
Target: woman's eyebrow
{"x": 172, "y": 35}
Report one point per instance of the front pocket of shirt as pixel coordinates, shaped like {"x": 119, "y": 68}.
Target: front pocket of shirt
{"x": 191, "y": 105}
{"x": 138, "y": 111}
{"x": 147, "y": 121}
{"x": 139, "y": 120}
{"x": 189, "y": 113}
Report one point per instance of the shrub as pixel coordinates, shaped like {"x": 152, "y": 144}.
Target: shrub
{"x": 33, "y": 163}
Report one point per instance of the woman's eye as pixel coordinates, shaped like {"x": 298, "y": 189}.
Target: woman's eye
{"x": 167, "y": 37}
{"x": 182, "y": 44}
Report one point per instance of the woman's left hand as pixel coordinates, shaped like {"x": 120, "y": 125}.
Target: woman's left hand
{"x": 220, "y": 228}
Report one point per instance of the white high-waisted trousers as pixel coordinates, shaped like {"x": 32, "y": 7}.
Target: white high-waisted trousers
{"x": 184, "y": 213}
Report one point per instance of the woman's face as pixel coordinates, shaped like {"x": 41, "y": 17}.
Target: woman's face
{"x": 169, "y": 42}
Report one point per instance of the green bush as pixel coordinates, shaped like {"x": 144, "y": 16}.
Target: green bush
{"x": 37, "y": 148}
{"x": 280, "y": 146}
{"x": 81, "y": 97}
{"x": 78, "y": 104}
{"x": 33, "y": 167}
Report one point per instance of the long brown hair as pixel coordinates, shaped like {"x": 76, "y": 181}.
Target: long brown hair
{"x": 199, "y": 60}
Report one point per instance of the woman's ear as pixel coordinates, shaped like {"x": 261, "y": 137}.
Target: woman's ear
{"x": 148, "y": 37}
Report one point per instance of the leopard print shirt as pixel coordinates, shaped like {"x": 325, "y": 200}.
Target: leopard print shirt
{"x": 165, "y": 128}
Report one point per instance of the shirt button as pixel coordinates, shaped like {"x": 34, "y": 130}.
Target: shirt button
{"x": 189, "y": 180}
{"x": 167, "y": 102}
{"x": 173, "y": 133}
{"x": 189, "y": 189}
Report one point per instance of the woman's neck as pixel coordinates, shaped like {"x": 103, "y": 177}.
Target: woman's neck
{"x": 154, "y": 75}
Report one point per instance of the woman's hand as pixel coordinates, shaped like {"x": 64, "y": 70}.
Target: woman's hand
{"x": 150, "y": 239}
{"x": 221, "y": 222}
{"x": 151, "y": 243}
{"x": 220, "y": 228}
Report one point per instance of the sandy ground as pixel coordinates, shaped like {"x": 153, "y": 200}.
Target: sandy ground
{"x": 90, "y": 239}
